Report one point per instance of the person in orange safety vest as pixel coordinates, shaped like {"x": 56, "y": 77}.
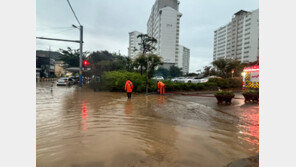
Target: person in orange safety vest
{"x": 129, "y": 88}
{"x": 161, "y": 86}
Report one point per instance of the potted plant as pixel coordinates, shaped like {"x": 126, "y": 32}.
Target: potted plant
{"x": 224, "y": 96}
{"x": 251, "y": 96}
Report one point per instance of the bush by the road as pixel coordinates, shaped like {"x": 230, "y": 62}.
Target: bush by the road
{"x": 115, "y": 81}
{"x": 226, "y": 83}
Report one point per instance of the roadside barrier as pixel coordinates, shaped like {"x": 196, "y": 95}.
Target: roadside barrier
{"x": 45, "y": 79}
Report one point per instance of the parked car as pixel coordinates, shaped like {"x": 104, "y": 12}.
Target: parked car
{"x": 192, "y": 80}
{"x": 206, "y": 79}
{"x": 158, "y": 78}
{"x": 65, "y": 82}
{"x": 75, "y": 80}
{"x": 178, "y": 79}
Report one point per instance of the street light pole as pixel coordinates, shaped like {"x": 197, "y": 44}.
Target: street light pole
{"x": 80, "y": 57}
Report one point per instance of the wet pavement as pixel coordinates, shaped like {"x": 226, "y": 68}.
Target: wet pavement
{"x": 80, "y": 127}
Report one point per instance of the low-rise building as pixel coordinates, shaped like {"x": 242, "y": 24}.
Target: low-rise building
{"x": 59, "y": 70}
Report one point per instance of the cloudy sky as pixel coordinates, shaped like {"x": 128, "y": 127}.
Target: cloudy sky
{"x": 107, "y": 23}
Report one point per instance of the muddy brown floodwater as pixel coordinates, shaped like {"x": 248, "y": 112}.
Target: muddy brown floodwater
{"x": 80, "y": 127}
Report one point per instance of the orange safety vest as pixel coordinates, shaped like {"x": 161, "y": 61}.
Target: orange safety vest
{"x": 128, "y": 86}
{"x": 161, "y": 87}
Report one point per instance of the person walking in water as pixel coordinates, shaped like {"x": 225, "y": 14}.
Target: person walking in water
{"x": 129, "y": 88}
{"x": 161, "y": 89}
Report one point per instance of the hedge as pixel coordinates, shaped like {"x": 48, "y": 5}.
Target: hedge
{"x": 115, "y": 81}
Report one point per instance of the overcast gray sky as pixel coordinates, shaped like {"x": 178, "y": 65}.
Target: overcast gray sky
{"x": 107, "y": 23}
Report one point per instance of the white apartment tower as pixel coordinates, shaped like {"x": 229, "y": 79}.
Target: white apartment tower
{"x": 238, "y": 39}
{"x": 183, "y": 59}
{"x": 164, "y": 26}
{"x": 134, "y": 48}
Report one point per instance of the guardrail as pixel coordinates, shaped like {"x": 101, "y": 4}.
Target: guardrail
{"x": 45, "y": 79}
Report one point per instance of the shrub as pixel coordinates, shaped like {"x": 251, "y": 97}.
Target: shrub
{"x": 251, "y": 92}
{"x": 211, "y": 85}
{"x": 226, "y": 83}
{"x": 200, "y": 86}
{"x": 224, "y": 93}
{"x": 115, "y": 81}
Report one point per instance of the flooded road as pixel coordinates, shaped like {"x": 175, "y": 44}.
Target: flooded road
{"x": 79, "y": 127}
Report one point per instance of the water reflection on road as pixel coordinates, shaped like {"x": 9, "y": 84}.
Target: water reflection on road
{"x": 79, "y": 127}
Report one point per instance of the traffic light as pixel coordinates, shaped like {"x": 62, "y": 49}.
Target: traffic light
{"x": 85, "y": 63}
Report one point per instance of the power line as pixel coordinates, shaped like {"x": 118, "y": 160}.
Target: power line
{"x": 73, "y": 12}
{"x": 65, "y": 30}
{"x": 52, "y": 28}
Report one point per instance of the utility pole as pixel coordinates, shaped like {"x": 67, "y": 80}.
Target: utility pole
{"x": 76, "y": 41}
{"x": 80, "y": 56}
{"x": 81, "y": 42}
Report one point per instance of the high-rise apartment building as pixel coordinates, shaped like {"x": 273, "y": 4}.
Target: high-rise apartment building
{"x": 238, "y": 39}
{"x": 183, "y": 59}
{"x": 164, "y": 26}
{"x": 134, "y": 48}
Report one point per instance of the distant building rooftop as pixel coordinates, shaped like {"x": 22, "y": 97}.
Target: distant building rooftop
{"x": 241, "y": 12}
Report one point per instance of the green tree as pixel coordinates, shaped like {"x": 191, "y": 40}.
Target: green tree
{"x": 234, "y": 66}
{"x": 162, "y": 72}
{"x": 221, "y": 65}
{"x": 153, "y": 61}
{"x": 191, "y": 74}
{"x": 225, "y": 67}
{"x": 209, "y": 71}
{"x": 101, "y": 61}
{"x": 146, "y": 44}
{"x": 175, "y": 71}
{"x": 71, "y": 57}
{"x": 140, "y": 62}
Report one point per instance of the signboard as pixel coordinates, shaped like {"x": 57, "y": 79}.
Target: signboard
{"x": 254, "y": 77}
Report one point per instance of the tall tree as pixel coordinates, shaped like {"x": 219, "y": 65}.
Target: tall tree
{"x": 162, "y": 72}
{"x": 140, "y": 62}
{"x": 146, "y": 44}
{"x": 153, "y": 60}
{"x": 71, "y": 57}
{"x": 226, "y": 66}
{"x": 175, "y": 71}
{"x": 208, "y": 71}
{"x": 221, "y": 65}
{"x": 101, "y": 61}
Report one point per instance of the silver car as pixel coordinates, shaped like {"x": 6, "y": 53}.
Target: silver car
{"x": 206, "y": 79}
{"x": 65, "y": 82}
{"x": 158, "y": 78}
{"x": 178, "y": 79}
{"x": 192, "y": 80}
